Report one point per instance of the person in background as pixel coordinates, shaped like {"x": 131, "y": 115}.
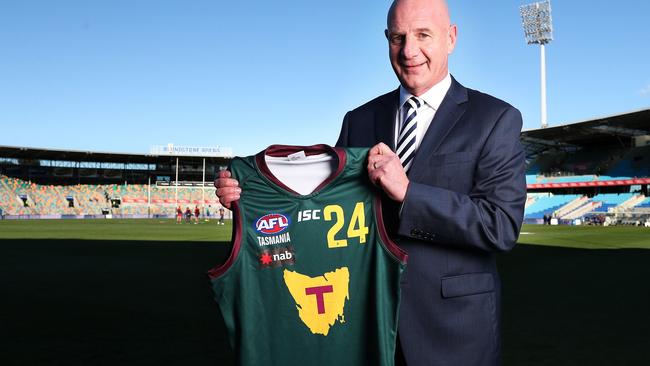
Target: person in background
{"x": 188, "y": 215}
{"x": 197, "y": 212}
{"x": 222, "y": 213}
{"x": 179, "y": 214}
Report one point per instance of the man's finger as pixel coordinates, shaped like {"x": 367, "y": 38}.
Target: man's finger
{"x": 228, "y": 195}
{"x": 224, "y": 174}
{"x": 226, "y": 191}
{"x": 374, "y": 151}
{"x": 225, "y": 182}
{"x": 383, "y": 148}
{"x": 375, "y": 177}
{"x": 372, "y": 160}
{"x": 225, "y": 203}
{"x": 376, "y": 162}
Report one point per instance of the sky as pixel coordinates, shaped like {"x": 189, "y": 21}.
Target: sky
{"x": 123, "y": 75}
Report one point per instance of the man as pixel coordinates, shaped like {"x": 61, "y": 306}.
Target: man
{"x": 188, "y": 214}
{"x": 179, "y": 214}
{"x": 197, "y": 212}
{"x": 222, "y": 213}
{"x": 455, "y": 194}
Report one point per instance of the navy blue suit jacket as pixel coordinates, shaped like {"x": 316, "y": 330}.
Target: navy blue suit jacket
{"x": 464, "y": 204}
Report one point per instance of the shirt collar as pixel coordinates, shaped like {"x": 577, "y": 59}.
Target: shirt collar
{"x": 432, "y": 97}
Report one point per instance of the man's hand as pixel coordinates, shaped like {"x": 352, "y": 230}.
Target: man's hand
{"x": 386, "y": 171}
{"x": 227, "y": 188}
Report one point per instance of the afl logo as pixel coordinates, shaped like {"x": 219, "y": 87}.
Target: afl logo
{"x": 272, "y": 224}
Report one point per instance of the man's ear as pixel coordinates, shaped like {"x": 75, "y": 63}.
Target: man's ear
{"x": 452, "y": 34}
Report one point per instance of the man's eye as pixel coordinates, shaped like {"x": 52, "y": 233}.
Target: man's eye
{"x": 423, "y": 36}
{"x": 396, "y": 39}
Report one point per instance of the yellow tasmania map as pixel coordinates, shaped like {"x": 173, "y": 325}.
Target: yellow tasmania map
{"x": 320, "y": 300}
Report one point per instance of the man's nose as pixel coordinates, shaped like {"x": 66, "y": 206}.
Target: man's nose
{"x": 410, "y": 49}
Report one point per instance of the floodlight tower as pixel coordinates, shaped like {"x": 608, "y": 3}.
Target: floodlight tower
{"x": 538, "y": 29}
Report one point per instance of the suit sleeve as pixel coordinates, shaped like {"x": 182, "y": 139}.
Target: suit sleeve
{"x": 489, "y": 216}
{"x": 343, "y": 136}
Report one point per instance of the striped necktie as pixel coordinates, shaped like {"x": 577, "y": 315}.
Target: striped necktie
{"x": 407, "y": 133}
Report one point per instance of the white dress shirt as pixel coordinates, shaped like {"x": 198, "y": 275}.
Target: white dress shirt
{"x": 432, "y": 99}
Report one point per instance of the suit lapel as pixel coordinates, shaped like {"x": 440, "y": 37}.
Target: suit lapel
{"x": 449, "y": 112}
{"x": 385, "y": 119}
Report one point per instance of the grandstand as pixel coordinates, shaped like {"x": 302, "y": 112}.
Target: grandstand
{"x": 574, "y": 172}
{"x": 592, "y": 168}
{"x": 44, "y": 183}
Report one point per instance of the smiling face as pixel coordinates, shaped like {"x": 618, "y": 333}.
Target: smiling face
{"x": 420, "y": 39}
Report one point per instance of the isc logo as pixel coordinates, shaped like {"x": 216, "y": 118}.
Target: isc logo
{"x": 272, "y": 224}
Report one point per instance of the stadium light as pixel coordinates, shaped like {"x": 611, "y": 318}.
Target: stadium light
{"x": 538, "y": 29}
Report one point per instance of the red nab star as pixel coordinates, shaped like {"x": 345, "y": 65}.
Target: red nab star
{"x": 265, "y": 259}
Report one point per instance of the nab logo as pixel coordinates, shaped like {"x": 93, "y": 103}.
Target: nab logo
{"x": 277, "y": 257}
{"x": 272, "y": 224}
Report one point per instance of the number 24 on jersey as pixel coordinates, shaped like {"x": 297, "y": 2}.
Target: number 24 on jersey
{"x": 356, "y": 228}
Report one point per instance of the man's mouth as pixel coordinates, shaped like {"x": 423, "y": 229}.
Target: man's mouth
{"x": 412, "y": 66}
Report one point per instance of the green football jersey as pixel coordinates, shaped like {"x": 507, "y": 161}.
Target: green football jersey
{"x": 312, "y": 279}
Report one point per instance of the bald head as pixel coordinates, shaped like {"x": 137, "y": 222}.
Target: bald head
{"x": 437, "y": 9}
{"x": 420, "y": 39}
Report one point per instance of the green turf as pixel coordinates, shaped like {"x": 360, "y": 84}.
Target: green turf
{"x": 98, "y": 229}
{"x": 586, "y": 237}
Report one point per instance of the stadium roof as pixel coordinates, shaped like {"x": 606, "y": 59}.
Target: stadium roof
{"x": 617, "y": 130}
{"x": 17, "y": 152}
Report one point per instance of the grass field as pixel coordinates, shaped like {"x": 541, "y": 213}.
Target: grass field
{"x": 141, "y": 229}
{"x": 587, "y": 237}
{"x": 134, "y": 292}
